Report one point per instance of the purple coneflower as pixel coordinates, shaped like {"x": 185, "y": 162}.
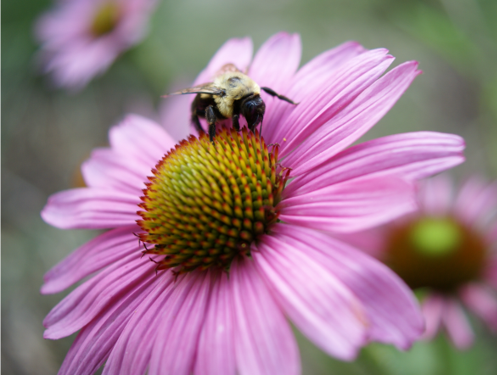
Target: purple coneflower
{"x": 446, "y": 250}
{"x": 235, "y": 234}
{"x": 81, "y": 38}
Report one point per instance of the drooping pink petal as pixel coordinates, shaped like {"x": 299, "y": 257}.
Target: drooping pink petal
{"x": 351, "y": 205}
{"x": 95, "y": 341}
{"x": 264, "y": 343}
{"x": 436, "y": 196}
{"x": 91, "y": 257}
{"x": 391, "y": 312}
{"x": 457, "y": 324}
{"x": 330, "y": 98}
{"x": 216, "y": 353}
{"x": 482, "y": 302}
{"x": 139, "y": 139}
{"x": 411, "y": 155}
{"x": 234, "y": 51}
{"x": 432, "y": 308}
{"x": 176, "y": 341}
{"x": 317, "y": 302}
{"x": 99, "y": 293}
{"x": 91, "y": 208}
{"x": 132, "y": 351}
{"x": 353, "y": 121}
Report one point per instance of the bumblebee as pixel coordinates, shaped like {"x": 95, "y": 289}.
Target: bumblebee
{"x": 231, "y": 94}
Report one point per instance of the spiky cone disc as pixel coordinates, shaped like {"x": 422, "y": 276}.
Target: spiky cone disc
{"x": 207, "y": 202}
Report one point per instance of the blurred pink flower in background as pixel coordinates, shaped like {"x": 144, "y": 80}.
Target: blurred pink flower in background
{"x": 224, "y": 308}
{"x": 447, "y": 250}
{"x": 81, "y": 38}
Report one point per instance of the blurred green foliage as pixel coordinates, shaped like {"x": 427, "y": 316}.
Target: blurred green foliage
{"x": 47, "y": 133}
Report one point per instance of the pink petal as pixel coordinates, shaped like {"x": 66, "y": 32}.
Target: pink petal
{"x": 96, "y": 295}
{"x": 357, "y": 118}
{"x": 75, "y": 65}
{"x": 491, "y": 233}
{"x": 91, "y": 257}
{"x": 132, "y": 351}
{"x": 177, "y": 337}
{"x": 482, "y": 302}
{"x": 234, "y": 51}
{"x": 91, "y": 208}
{"x": 276, "y": 61}
{"x": 95, "y": 341}
{"x": 409, "y": 155}
{"x": 321, "y": 67}
{"x": 370, "y": 241}
{"x": 72, "y": 54}
{"x": 140, "y": 139}
{"x": 72, "y": 19}
{"x": 108, "y": 170}
{"x": 330, "y": 97}
{"x": 390, "y": 309}
{"x": 476, "y": 201}
{"x": 317, "y": 302}
{"x": 351, "y": 205}
{"x": 175, "y": 112}
{"x": 432, "y": 309}
{"x": 457, "y": 324}
{"x": 264, "y": 343}
{"x": 215, "y": 353}
{"x": 308, "y": 80}
{"x": 274, "y": 66}
{"x": 491, "y": 271}
{"x": 436, "y": 196}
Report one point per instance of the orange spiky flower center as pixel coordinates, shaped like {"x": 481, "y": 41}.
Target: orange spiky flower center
{"x": 207, "y": 202}
{"x": 438, "y": 253}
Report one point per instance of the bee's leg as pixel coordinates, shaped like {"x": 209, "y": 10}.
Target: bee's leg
{"x": 281, "y": 97}
{"x": 196, "y": 123}
{"x": 253, "y": 126}
{"x": 196, "y": 112}
{"x": 236, "y": 115}
{"x": 236, "y": 123}
{"x": 211, "y": 118}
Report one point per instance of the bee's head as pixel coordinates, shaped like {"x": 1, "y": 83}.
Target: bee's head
{"x": 253, "y": 108}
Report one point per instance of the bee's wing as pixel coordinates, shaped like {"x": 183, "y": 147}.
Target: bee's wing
{"x": 206, "y": 88}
